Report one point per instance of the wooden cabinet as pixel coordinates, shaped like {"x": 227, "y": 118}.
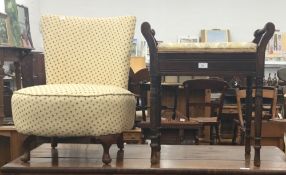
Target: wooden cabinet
{"x": 10, "y": 144}
{"x": 15, "y": 55}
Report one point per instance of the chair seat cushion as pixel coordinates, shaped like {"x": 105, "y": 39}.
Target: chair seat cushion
{"x": 207, "y": 47}
{"x": 73, "y": 110}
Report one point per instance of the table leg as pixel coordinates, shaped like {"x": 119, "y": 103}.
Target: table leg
{"x": 155, "y": 118}
{"x": 248, "y": 115}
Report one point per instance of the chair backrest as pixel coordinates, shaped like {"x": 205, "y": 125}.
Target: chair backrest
{"x": 137, "y": 63}
{"x": 141, "y": 76}
{"x": 87, "y": 50}
{"x": 209, "y": 86}
{"x": 269, "y": 95}
{"x": 281, "y": 74}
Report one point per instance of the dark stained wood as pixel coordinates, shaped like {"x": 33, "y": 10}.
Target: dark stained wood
{"x": 261, "y": 39}
{"x": 39, "y": 75}
{"x": 15, "y": 54}
{"x": 180, "y": 159}
{"x": 106, "y": 141}
{"x": 33, "y": 69}
{"x": 248, "y": 114}
{"x": 219, "y": 64}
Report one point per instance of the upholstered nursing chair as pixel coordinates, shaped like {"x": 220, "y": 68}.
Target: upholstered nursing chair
{"x": 87, "y": 66}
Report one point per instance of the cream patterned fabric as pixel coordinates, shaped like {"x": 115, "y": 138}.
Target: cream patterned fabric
{"x": 73, "y": 110}
{"x": 87, "y": 50}
{"x": 207, "y": 47}
{"x": 87, "y": 65}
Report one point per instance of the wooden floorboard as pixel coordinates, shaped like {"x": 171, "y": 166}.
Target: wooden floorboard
{"x": 175, "y": 159}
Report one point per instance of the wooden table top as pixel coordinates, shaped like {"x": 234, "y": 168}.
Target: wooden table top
{"x": 175, "y": 159}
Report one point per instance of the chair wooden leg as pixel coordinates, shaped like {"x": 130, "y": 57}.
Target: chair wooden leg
{"x": 106, "y": 142}
{"x": 196, "y": 136}
{"x": 235, "y": 132}
{"x": 27, "y": 146}
{"x": 242, "y": 136}
{"x": 55, "y": 156}
{"x": 212, "y": 135}
{"x": 106, "y": 156}
{"x": 54, "y": 151}
{"x": 54, "y": 142}
{"x": 217, "y": 130}
{"x": 120, "y": 142}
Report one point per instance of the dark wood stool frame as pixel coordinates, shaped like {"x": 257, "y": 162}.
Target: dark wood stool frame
{"x": 249, "y": 64}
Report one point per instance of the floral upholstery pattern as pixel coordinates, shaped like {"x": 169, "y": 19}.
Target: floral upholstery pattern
{"x": 208, "y": 47}
{"x": 87, "y": 65}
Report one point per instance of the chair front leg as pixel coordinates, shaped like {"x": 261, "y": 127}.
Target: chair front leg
{"x": 120, "y": 142}
{"x": 106, "y": 142}
{"x": 27, "y": 146}
{"x": 217, "y": 130}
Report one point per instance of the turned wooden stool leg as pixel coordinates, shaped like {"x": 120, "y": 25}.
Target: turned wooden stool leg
{"x": 196, "y": 136}
{"x": 248, "y": 115}
{"x": 217, "y": 130}
{"x": 258, "y": 120}
{"x": 235, "y": 132}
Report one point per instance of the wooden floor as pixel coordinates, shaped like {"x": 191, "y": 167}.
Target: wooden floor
{"x": 179, "y": 159}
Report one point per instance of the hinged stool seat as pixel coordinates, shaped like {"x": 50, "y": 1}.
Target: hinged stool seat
{"x": 208, "y": 47}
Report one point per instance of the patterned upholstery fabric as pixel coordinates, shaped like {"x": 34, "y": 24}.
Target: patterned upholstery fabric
{"x": 208, "y": 47}
{"x": 73, "y": 110}
{"x": 87, "y": 50}
{"x": 87, "y": 65}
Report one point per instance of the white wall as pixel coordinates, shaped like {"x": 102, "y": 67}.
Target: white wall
{"x": 170, "y": 18}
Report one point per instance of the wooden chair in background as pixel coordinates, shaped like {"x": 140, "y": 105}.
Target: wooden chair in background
{"x": 136, "y": 86}
{"x": 269, "y": 96}
{"x": 140, "y": 76}
{"x": 281, "y": 74}
{"x": 211, "y": 119}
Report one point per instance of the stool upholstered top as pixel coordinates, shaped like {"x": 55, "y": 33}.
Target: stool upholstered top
{"x": 207, "y": 47}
